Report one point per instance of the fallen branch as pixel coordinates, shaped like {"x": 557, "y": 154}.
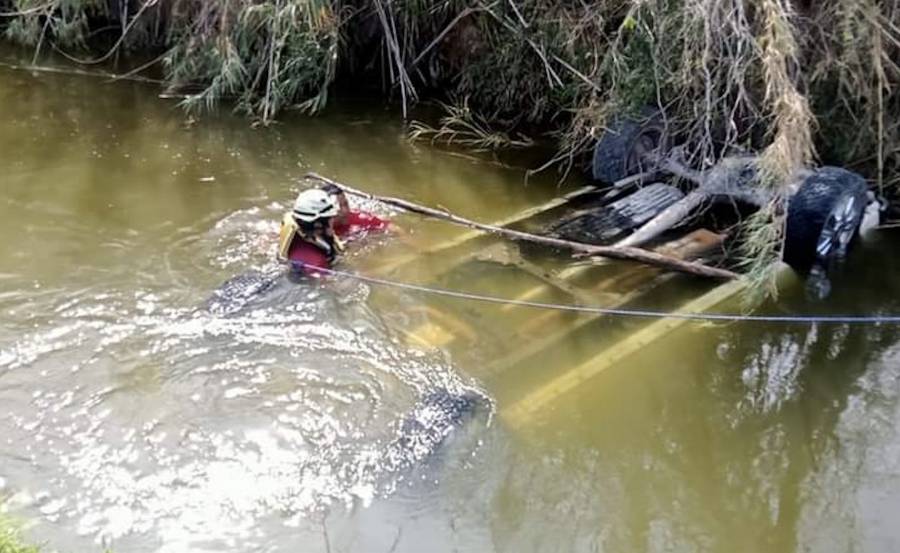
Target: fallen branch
{"x": 614, "y": 252}
{"x": 80, "y": 72}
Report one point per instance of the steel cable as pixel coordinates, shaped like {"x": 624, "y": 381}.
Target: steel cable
{"x": 614, "y": 311}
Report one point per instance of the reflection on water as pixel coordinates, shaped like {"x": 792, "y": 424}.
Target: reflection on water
{"x": 138, "y": 419}
{"x": 194, "y": 427}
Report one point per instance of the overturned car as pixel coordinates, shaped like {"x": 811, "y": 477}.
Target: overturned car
{"x": 652, "y": 190}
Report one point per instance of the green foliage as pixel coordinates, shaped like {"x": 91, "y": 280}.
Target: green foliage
{"x": 11, "y": 541}
{"x": 507, "y": 82}
{"x": 264, "y": 56}
{"x": 724, "y": 68}
{"x": 24, "y": 30}
{"x": 636, "y": 86}
{"x": 761, "y": 249}
{"x": 463, "y": 127}
{"x": 65, "y": 21}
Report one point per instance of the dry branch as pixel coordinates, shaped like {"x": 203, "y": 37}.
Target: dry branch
{"x": 615, "y": 252}
{"x": 73, "y": 71}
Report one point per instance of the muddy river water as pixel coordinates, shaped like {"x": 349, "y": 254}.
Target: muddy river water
{"x": 134, "y": 419}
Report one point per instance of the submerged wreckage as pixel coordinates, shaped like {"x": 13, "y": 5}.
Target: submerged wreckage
{"x": 651, "y": 208}
{"x": 650, "y": 202}
{"x": 826, "y": 208}
{"x": 650, "y": 191}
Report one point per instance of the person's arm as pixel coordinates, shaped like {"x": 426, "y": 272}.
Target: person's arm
{"x": 373, "y": 223}
{"x": 368, "y": 222}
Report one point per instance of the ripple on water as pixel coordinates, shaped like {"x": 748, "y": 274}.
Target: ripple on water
{"x": 188, "y": 429}
{"x": 140, "y": 419}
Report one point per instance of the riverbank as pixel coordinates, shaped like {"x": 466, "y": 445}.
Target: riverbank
{"x": 800, "y": 83}
{"x": 783, "y": 77}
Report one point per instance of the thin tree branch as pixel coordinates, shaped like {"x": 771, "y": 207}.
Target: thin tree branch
{"x": 614, "y": 252}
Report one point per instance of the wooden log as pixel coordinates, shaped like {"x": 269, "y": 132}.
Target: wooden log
{"x": 614, "y": 252}
{"x": 666, "y": 219}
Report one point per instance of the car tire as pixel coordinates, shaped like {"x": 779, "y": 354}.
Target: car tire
{"x": 810, "y": 210}
{"x": 616, "y": 153}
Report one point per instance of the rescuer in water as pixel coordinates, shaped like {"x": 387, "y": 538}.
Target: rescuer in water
{"x": 312, "y": 233}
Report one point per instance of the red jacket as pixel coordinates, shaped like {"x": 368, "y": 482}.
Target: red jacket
{"x": 308, "y": 257}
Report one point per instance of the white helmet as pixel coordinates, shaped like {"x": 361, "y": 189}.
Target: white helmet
{"x": 314, "y": 204}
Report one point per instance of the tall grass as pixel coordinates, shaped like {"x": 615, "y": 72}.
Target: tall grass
{"x": 786, "y": 77}
{"x": 11, "y": 540}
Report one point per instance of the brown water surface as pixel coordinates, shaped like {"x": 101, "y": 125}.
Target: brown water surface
{"x": 134, "y": 418}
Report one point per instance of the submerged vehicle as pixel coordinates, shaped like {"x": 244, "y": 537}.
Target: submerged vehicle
{"x": 644, "y": 197}
{"x": 828, "y": 208}
{"x": 545, "y": 298}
